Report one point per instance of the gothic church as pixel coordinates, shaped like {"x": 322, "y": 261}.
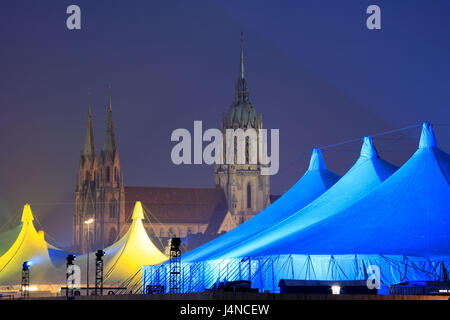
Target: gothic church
{"x": 195, "y": 214}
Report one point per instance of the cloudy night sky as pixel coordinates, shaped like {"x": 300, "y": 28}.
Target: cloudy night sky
{"x": 314, "y": 71}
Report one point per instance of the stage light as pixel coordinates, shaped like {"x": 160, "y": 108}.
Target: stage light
{"x": 32, "y": 288}
{"x": 25, "y": 279}
{"x": 336, "y": 290}
{"x": 26, "y": 265}
{"x": 99, "y": 254}
{"x": 70, "y": 258}
{"x": 175, "y": 265}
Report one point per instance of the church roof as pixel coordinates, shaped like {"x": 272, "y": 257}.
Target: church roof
{"x": 177, "y": 205}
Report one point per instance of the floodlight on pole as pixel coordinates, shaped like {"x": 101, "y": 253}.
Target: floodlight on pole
{"x": 70, "y": 275}
{"x": 175, "y": 265}
{"x": 26, "y": 279}
{"x": 99, "y": 272}
{"x": 88, "y": 223}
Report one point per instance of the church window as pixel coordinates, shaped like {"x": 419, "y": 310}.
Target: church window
{"x": 112, "y": 235}
{"x": 108, "y": 174}
{"x": 249, "y": 196}
{"x": 247, "y": 152}
{"x": 113, "y": 209}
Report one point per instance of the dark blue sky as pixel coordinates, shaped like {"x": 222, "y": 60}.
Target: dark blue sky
{"x": 314, "y": 71}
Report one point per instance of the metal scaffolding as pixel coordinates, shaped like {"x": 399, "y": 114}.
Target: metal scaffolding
{"x": 175, "y": 265}
{"x": 99, "y": 272}
{"x": 25, "y": 289}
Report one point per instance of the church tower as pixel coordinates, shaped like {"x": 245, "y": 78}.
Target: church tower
{"x": 110, "y": 190}
{"x": 85, "y": 188}
{"x": 99, "y": 191}
{"x": 246, "y": 190}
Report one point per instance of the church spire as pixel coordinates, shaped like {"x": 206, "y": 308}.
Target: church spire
{"x": 241, "y": 84}
{"x": 242, "y": 56}
{"x": 110, "y": 142}
{"x": 109, "y": 98}
{"x": 88, "y": 148}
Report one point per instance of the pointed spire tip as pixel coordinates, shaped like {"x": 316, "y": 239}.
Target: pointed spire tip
{"x": 242, "y": 75}
{"x": 368, "y": 150}
{"x": 89, "y": 145}
{"x": 316, "y": 162}
{"x": 138, "y": 212}
{"x": 109, "y": 97}
{"x": 427, "y": 137}
{"x": 27, "y": 214}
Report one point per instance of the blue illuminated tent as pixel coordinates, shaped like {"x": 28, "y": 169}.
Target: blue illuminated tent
{"x": 311, "y": 185}
{"x": 368, "y": 172}
{"x": 409, "y": 214}
{"x": 400, "y": 227}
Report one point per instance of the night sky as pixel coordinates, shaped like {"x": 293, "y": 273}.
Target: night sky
{"x": 314, "y": 71}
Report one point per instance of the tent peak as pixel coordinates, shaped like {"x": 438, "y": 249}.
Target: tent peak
{"x": 316, "y": 162}
{"x": 27, "y": 215}
{"x": 138, "y": 213}
{"x": 368, "y": 150}
{"x": 427, "y": 138}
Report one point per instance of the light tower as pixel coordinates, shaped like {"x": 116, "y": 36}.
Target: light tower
{"x": 26, "y": 280}
{"x": 175, "y": 265}
{"x": 99, "y": 272}
{"x": 70, "y": 276}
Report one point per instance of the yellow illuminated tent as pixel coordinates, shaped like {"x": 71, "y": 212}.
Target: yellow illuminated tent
{"x": 7, "y": 238}
{"x": 47, "y": 262}
{"x": 122, "y": 263}
{"x": 124, "y": 259}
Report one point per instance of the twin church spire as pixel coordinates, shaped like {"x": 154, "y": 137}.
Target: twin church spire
{"x": 109, "y": 145}
{"x": 99, "y": 191}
